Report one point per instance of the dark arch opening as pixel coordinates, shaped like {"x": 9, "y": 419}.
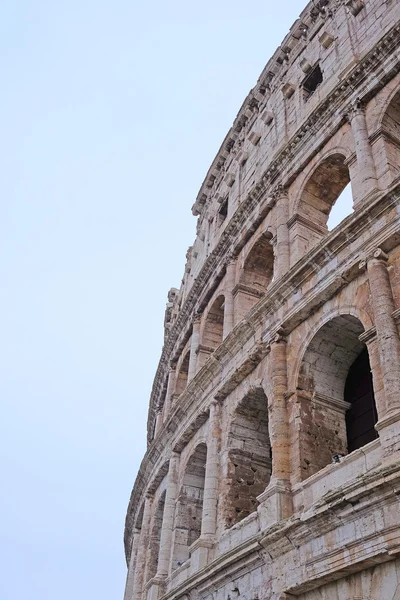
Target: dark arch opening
{"x": 361, "y": 417}
{"x": 335, "y": 395}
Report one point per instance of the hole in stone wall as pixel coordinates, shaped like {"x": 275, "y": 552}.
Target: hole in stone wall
{"x": 223, "y": 212}
{"x": 313, "y": 79}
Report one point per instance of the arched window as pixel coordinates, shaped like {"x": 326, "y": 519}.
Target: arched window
{"x": 256, "y": 275}
{"x": 335, "y": 395}
{"x": 323, "y": 188}
{"x": 248, "y": 468}
{"x": 189, "y": 507}
{"x": 182, "y": 377}
{"x": 214, "y": 325}
{"x": 325, "y": 201}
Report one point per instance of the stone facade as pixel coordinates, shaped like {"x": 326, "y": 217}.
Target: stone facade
{"x": 273, "y": 462}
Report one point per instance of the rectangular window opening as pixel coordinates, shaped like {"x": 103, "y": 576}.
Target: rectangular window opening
{"x": 313, "y": 79}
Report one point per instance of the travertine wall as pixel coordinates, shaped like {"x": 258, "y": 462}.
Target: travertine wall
{"x": 247, "y": 487}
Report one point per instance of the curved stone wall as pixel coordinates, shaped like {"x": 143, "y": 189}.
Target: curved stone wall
{"x": 247, "y": 487}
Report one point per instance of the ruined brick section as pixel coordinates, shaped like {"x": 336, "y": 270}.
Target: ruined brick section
{"x": 273, "y": 462}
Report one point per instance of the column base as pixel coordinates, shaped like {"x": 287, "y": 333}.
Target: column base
{"x": 389, "y": 434}
{"x": 275, "y": 503}
{"x": 155, "y": 588}
{"x": 200, "y": 553}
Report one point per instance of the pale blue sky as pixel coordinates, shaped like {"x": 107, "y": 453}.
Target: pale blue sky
{"x": 111, "y": 113}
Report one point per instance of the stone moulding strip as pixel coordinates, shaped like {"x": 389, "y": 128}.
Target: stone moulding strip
{"x": 326, "y": 112}
{"x": 246, "y": 329}
{"x": 334, "y": 403}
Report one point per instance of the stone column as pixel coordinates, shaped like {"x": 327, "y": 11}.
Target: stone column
{"x": 365, "y": 160}
{"x": 194, "y": 346}
{"x": 282, "y": 246}
{"x": 276, "y": 501}
{"x": 142, "y": 549}
{"x": 210, "y": 499}
{"x": 200, "y": 550}
{"x": 170, "y": 391}
{"x": 130, "y": 579}
{"x": 168, "y": 517}
{"x": 386, "y": 328}
{"x": 279, "y": 422}
{"x": 229, "y": 317}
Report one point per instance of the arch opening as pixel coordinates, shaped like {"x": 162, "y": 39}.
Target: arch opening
{"x": 335, "y": 394}
{"x": 255, "y": 277}
{"x": 258, "y": 268}
{"x": 189, "y": 507}
{"x": 343, "y": 207}
{"x": 214, "y": 325}
{"x": 323, "y": 188}
{"x": 248, "y": 468}
{"x": 182, "y": 378}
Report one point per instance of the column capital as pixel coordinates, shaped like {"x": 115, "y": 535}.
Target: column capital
{"x": 355, "y": 109}
{"x": 197, "y": 319}
{"x": 279, "y": 337}
{"x": 280, "y": 191}
{"x": 231, "y": 259}
{"x": 377, "y": 255}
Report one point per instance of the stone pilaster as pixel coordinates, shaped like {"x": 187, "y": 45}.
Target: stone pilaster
{"x": 282, "y": 246}
{"x": 365, "y": 160}
{"x": 130, "y": 579}
{"x": 276, "y": 501}
{"x": 229, "y": 316}
{"x": 210, "y": 500}
{"x": 201, "y": 547}
{"x": 194, "y": 346}
{"x": 170, "y": 392}
{"x": 142, "y": 549}
{"x": 389, "y": 350}
{"x": 168, "y": 517}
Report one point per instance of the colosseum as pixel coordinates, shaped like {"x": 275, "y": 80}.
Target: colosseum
{"x": 273, "y": 462}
